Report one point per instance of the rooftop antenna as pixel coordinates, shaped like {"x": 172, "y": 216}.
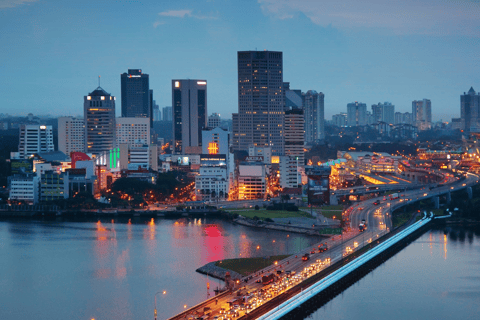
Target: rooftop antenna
{"x": 98, "y": 81}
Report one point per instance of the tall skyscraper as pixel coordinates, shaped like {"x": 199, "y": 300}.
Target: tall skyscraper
{"x": 189, "y": 100}
{"x": 34, "y": 138}
{"x": 422, "y": 114}
{"x": 356, "y": 114}
{"x": 314, "y": 109}
{"x": 136, "y": 94}
{"x": 71, "y": 135}
{"x": 157, "y": 115}
{"x": 260, "y": 118}
{"x": 470, "y": 111}
{"x": 167, "y": 114}
{"x": 295, "y": 134}
{"x": 99, "y": 115}
{"x": 384, "y": 112}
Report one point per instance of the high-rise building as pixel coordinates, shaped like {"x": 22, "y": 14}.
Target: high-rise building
{"x": 260, "y": 118}
{"x": 167, "y": 114}
{"x": 340, "y": 120}
{"x": 293, "y": 98}
{"x": 470, "y": 111}
{"x": 356, "y": 114}
{"x": 71, "y": 135}
{"x": 314, "y": 112}
{"x": 214, "y": 120}
{"x": 403, "y": 118}
{"x": 34, "y": 139}
{"x": 295, "y": 134}
{"x": 133, "y": 131}
{"x": 422, "y": 114}
{"x": 137, "y": 98}
{"x": 157, "y": 115}
{"x": 99, "y": 115}
{"x": 189, "y": 100}
{"x": 383, "y": 112}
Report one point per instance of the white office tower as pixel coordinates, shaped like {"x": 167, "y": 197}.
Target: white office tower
{"x": 288, "y": 172}
{"x": 71, "y": 135}
{"x": 133, "y": 131}
{"x": 34, "y": 139}
{"x": 25, "y": 188}
{"x": 211, "y": 183}
{"x": 214, "y": 120}
{"x": 314, "y": 109}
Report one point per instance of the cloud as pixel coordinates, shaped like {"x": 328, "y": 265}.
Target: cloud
{"x": 433, "y": 17}
{"x": 158, "y": 23}
{"x": 186, "y": 13}
{"x": 14, "y": 3}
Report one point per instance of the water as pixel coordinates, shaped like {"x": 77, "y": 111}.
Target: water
{"x": 435, "y": 277}
{"x": 85, "y": 270}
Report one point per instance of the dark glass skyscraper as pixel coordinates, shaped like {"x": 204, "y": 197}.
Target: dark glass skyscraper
{"x": 189, "y": 100}
{"x": 137, "y": 97}
{"x": 260, "y": 118}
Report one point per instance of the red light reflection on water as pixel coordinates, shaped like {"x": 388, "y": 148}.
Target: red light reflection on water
{"x": 101, "y": 232}
{"x": 213, "y": 248}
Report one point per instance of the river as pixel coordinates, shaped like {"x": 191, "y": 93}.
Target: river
{"x": 103, "y": 271}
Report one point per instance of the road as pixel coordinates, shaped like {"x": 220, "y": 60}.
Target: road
{"x": 379, "y": 222}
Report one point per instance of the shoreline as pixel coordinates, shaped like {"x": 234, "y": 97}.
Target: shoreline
{"x": 211, "y": 270}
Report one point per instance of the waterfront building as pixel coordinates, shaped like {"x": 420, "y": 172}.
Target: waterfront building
{"x": 189, "y": 100}
{"x": 137, "y": 98}
{"x": 71, "y": 135}
{"x": 34, "y": 139}
{"x": 422, "y": 114}
{"x": 295, "y": 134}
{"x": 25, "y": 188}
{"x": 133, "y": 131}
{"x": 356, "y": 114}
{"x": 260, "y": 118}
{"x": 251, "y": 181}
{"x": 53, "y": 186}
{"x": 314, "y": 113}
{"x": 212, "y": 182}
{"x": 470, "y": 111}
{"x": 99, "y": 115}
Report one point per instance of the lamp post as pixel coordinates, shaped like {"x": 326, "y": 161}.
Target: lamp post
{"x": 155, "y": 311}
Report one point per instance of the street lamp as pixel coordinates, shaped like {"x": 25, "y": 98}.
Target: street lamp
{"x": 155, "y": 311}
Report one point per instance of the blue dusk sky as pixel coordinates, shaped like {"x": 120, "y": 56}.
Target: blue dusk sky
{"x": 369, "y": 51}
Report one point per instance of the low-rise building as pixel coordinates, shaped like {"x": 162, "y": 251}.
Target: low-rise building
{"x": 25, "y": 188}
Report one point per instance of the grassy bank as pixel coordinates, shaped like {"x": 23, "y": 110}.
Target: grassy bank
{"x": 328, "y": 211}
{"x": 246, "y": 266}
{"x": 264, "y": 214}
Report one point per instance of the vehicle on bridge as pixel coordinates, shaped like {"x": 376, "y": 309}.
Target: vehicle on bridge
{"x": 363, "y": 226}
{"x": 393, "y": 196}
{"x": 306, "y": 257}
{"x": 268, "y": 278}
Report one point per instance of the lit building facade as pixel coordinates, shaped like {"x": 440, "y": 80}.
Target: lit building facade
{"x": 295, "y": 135}
{"x": 71, "y": 135}
{"x": 251, "y": 181}
{"x": 189, "y": 99}
{"x": 99, "y": 115}
{"x": 260, "y": 118}
{"x": 34, "y": 139}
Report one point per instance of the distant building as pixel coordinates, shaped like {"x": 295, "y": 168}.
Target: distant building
{"x": 25, "y": 188}
{"x": 214, "y": 120}
{"x": 71, "y": 135}
{"x": 157, "y": 114}
{"x": 137, "y": 99}
{"x": 293, "y": 98}
{"x": 356, "y": 114}
{"x": 189, "y": 100}
{"x": 260, "y": 118}
{"x": 470, "y": 111}
{"x": 314, "y": 113}
{"x": 167, "y": 114}
{"x": 99, "y": 115}
{"x": 383, "y": 112}
{"x": 133, "y": 131}
{"x": 403, "y": 118}
{"x": 340, "y": 120}
{"x": 53, "y": 186}
{"x": 422, "y": 114}
{"x": 34, "y": 139}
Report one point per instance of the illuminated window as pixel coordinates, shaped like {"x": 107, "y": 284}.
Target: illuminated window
{"x": 213, "y": 148}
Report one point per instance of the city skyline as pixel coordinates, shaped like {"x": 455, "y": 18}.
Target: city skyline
{"x": 356, "y": 55}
